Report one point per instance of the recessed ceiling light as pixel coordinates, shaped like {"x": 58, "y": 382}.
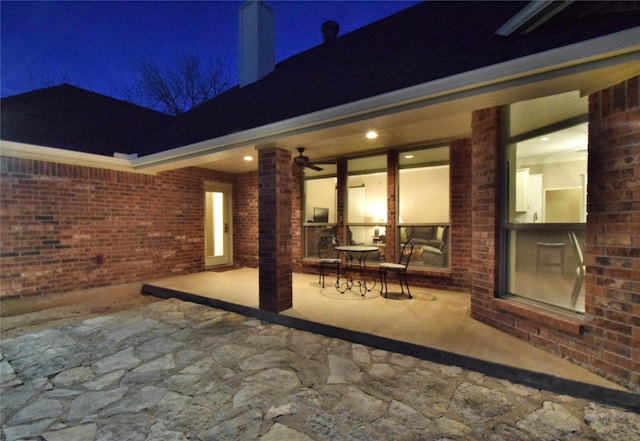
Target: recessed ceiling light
{"x": 408, "y": 156}
{"x": 248, "y": 158}
{"x": 372, "y": 134}
{"x": 544, "y": 138}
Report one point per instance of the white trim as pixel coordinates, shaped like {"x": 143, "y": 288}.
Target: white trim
{"x": 614, "y": 48}
{"x": 51, "y": 154}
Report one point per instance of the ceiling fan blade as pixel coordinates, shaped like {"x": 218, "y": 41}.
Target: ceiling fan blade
{"x": 328, "y": 161}
{"x": 314, "y": 167}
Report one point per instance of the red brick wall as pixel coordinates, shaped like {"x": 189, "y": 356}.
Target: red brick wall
{"x": 608, "y": 339}
{"x": 57, "y": 219}
{"x": 297, "y": 197}
{"x": 461, "y": 213}
{"x": 245, "y": 220}
{"x": 485, "y": 162}
{"x": 613, "y": 230}
{"x": 274, "y": 205}
{"x": 392, "y": 207}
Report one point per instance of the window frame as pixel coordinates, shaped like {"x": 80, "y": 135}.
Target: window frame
{"x": 312, "y": 230}
{"x": 507, "y": 201}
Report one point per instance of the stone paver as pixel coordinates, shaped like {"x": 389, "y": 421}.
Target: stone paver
{"x": 179, "y": 371}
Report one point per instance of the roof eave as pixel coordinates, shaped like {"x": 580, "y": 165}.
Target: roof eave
{"x": 612, "y": 49}
{"x": 61, "y": 156}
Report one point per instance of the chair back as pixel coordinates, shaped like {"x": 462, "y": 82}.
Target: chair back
{"x": 406, "y": 252}
{"x": 326, "y": 246}
{"x": 581, "y": 268}
{"x": 444, "y": 248}
{"x": 576, "y": 249}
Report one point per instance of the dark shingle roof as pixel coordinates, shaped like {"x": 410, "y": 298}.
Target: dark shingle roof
{"x": 72, "y": 118}
{"x": 429, "y": 41}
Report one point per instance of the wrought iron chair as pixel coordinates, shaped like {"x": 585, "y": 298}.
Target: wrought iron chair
{"x": 399, "y": 268}
{"x": 581, "y": 268}
{"x": 328, "y": 256}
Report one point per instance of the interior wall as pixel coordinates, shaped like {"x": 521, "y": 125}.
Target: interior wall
{"x": 562, "y": 197}
{"x": 320, "y": 193}
{"x": 424, "y": 195}
{"x": 564, "y": 174}
{"x": 375, "y": 201}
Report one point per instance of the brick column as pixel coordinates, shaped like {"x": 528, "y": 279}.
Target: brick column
{"x": 297, "y": 209}
{"x": 341, "y": 217}
{"x": 274, "y": 204}
{"x": 460, "y": 233}
{"x": 612, "y": 284}
{"x": 485, "y": 198}
{"x": 392, "y": 207}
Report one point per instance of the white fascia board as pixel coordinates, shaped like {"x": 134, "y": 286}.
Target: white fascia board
{"x": 614, "y": 48}
{"x": 51, "y": 154}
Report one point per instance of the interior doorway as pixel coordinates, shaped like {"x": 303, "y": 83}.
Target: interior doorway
{"x": 218, "y": 234}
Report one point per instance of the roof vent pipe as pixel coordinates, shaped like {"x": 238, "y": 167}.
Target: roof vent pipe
{"x": 257, "y": 42}
{"x": 330, "y": 30}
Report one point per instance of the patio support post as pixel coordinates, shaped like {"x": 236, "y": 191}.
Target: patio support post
{"x": 391, "y": 230}
{"x": 485, "y": 205}
{"x": 341, "y": 218}
{"x": 274, "y": 224}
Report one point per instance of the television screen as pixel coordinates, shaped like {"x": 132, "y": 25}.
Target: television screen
{"x": 321, "y": 215}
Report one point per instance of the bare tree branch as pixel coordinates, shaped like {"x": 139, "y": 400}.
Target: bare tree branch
{"x": 179, "y": 88}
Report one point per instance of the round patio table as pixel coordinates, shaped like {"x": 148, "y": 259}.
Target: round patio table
{"x": 356, "y": 263}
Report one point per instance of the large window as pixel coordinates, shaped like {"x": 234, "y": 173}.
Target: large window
{"x": 367, "y": 201}
{"x": 547, "y": 169}
{"x": 320, "y": 206}
{"x": 423, "y": 197}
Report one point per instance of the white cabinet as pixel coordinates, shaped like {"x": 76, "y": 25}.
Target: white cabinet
{"x": 522, "y": 190}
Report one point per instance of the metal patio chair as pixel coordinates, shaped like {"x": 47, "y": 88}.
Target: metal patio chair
{"x": 399, "y": 268}
{"x": 328, "y": 256}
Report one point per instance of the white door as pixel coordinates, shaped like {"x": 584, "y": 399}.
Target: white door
{"x": 217, "y": 224}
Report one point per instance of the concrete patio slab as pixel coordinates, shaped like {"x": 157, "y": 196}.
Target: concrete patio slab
{"x": 434, "y": 323}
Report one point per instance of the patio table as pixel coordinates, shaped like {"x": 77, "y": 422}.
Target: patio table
{"x": 356, "y": 263}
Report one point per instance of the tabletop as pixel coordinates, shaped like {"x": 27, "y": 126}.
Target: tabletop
{"x": 357, "y": 248}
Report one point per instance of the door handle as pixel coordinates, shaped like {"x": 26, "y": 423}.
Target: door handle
{"x": 226, "y": 227}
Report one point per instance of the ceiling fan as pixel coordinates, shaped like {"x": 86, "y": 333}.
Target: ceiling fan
{"x": 304, "y": 162}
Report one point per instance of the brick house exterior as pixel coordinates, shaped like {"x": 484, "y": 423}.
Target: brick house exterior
{"x": 68, "y": 226}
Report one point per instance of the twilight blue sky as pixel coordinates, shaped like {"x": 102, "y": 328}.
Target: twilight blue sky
{"x": 96, "y": 44}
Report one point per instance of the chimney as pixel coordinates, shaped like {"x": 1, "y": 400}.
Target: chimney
{"x": 257, "y": 42}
